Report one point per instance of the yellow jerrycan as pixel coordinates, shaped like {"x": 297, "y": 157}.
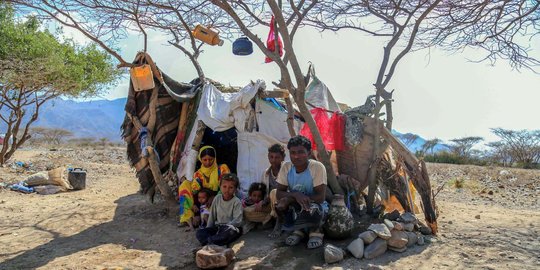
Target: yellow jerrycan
{"x": 207, "y": 35}
{"x": 142, "y": 78}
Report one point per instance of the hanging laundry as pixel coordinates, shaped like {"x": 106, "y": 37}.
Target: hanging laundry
{"x": 337, "y": 123}
{"x": 322, "y": 121}
{"x": 331, "y": 129}
{"x": 271, "y": 42}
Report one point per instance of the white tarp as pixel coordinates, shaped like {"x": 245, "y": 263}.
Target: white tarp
{"x": 222, "y": 111}
{"x": 253, "y": 157}
{"x": 218, "y": 111}
{"x": 273, "y": 122}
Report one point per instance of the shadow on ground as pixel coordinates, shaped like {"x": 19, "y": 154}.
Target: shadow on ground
{"x": 132, "y": 227}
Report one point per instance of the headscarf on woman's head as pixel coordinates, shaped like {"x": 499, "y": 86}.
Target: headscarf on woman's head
{"x": 210, "y": 173}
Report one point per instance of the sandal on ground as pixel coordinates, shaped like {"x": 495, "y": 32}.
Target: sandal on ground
{"x": 294, "y": 238}
{"x": 315, "y": 240}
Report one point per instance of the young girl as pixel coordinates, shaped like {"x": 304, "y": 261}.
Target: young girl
{"x": 225, "y": 216}
{"x": 256, "y": 208}
{"x": 256, "y": 194}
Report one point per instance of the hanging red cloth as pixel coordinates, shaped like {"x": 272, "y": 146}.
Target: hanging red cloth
{"x": 332, "y": 129}
{"x": 271, "y": 42}
{"x": 323, "y": 124}
{"x": 337, "y": 123}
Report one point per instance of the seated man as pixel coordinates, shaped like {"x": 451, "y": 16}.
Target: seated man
{"x": 300, "y": 193}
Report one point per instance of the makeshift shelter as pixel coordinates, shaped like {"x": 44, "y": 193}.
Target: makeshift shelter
{"x": 166, "y": 125}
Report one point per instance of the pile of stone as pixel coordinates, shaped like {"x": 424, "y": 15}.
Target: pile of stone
{"x": 396, "y": 233}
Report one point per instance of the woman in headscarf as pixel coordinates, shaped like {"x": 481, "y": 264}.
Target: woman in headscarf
{"x": 208, "y": 176}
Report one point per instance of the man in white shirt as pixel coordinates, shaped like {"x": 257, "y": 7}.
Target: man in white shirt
{"x": 301, "y": 192}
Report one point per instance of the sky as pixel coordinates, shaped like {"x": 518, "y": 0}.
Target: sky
{"x": 437, "y": 94}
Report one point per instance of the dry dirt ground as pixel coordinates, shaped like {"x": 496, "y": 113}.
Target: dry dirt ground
{"x": 489, "y": 219}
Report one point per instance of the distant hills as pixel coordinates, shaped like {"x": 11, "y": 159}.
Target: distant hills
{"x": 417, "y": 144}
{"x": 102, "y": 119}
{"x": 96, "y": 119}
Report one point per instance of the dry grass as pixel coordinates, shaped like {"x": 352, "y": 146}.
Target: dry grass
{"x": 461, "y": 183}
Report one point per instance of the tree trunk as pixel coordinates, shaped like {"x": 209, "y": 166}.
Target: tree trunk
{"x": 372, "y": 179}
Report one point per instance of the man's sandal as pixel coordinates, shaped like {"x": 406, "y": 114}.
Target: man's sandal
{"x": 315, "y": 240}
{"x": 294, "y": 238}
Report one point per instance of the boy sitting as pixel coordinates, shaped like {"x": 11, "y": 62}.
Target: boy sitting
{"x": 225, "y": 219}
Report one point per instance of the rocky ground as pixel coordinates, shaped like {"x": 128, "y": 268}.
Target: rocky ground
{"x": 488, "y": 219}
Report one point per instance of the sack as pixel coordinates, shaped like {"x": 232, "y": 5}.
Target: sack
{"x": 271, "y": 41}
{"x": 48, "y": 189}
{"x": 38, "y": 179}
{"x": 57, "y": 176}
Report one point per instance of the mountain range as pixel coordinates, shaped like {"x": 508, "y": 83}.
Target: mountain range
{"x": 95, "y": 119}
{"x": 102, "y": 119}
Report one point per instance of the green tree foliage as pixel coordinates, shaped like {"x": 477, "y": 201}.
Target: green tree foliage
{"x": 35, "y": 67}
{"x": 428, "y": 146}
{"x": 517, "y": 147}
{"x": 462, "y": 147}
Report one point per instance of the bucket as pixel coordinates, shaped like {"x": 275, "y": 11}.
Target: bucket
{"x": 242, "y": 46}
{"x": 77, "y": 178}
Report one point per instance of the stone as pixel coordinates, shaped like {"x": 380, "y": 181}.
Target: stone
{"x": 380, "y": 230}
{"x": 374, "y": 267}
{"x": 213, "y": 256}
{"x": 367, "y": 237}
{"x": 397, "y": 225}
{"x": 408, "y": 227}
{"x": 425, "y": 230}
{"x": 375, "y": 249}
{"x": 388, "y": 224}
{"x": 477, "y": 216}
{"x": 412, "y": 238}
{"x": 394, "y": 215}
{"x": 332, "y": 254}
{"x": 399, "y": 239}
{"x": 421, "y": 240}
{"x": 400, "y": 250}
{"x": 356, "y": 248}
{"x": 408, "y": 217}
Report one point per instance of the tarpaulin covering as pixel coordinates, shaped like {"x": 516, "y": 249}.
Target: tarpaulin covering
{"x": 221, "y": 111}
{"x": 253, "y": 157}
{"x": 272, "y": 121}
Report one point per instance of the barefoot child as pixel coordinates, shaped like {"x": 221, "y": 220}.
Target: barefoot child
{"x": 225, "y": 217}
